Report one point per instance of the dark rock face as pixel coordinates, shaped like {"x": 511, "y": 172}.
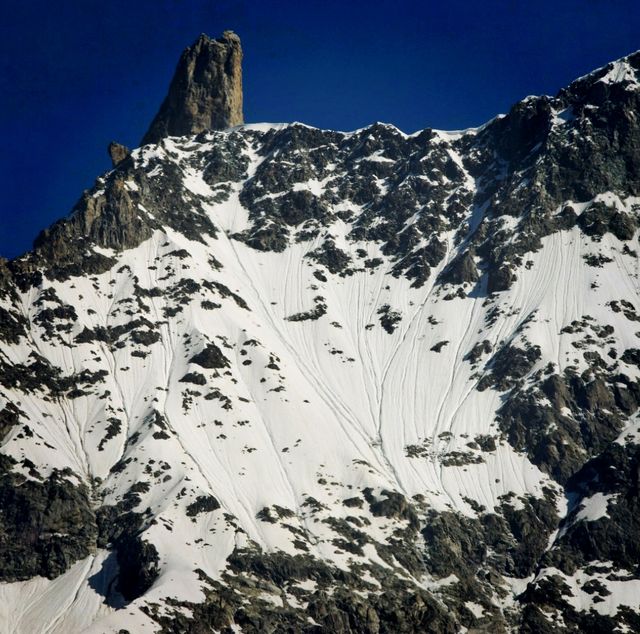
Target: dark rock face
{"x": 119, "y": 530}
{"x": 206, "y": 90}
{"x": 342, "y": 603}
{"x": 461, "y": 270}
{"x": 138, "y": 563}
{"x": 414, "y": 187}
{"x": 613, "y": 538}
{"x": 45, "y": 526}
{"x": 202, "y": 504}
{"x": 122, "y": 210}
{"x": 604, "y": 547}
{"x": 118, "y": 153}
{"x": 585, "y": 415}
{"x": 211, "y": 357}
{"x": 508, "y": 366}
{"x": 12, "y": 326}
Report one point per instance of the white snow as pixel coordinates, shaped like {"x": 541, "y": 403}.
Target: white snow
{"x": 594, "y": 507}
{"x": 620, "y": 71}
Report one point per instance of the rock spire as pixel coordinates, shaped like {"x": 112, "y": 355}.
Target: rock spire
{"x": 205, "y": 92}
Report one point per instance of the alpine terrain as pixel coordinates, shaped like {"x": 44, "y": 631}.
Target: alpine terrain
{"x": 271, "y": 378}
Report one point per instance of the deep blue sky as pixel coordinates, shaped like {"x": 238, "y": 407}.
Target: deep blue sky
{"x": 76, "y": 74}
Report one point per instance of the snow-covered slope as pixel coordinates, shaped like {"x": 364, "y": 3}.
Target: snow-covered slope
{"x": 277, "y": 378}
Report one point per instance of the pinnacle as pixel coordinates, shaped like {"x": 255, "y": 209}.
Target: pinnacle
{"x": 205, "y": 92}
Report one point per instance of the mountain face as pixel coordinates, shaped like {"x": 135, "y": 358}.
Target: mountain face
{"x": 281, "y": 379}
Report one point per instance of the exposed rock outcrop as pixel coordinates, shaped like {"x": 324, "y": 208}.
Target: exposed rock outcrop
{"x": 205, "y": 92}
{"x": 45, "y": 524}
{"x": 118, "y": 152}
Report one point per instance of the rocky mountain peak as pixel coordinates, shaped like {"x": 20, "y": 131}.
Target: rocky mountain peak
{"x": 613, "y": 82}
{"x": 205, "y": 92}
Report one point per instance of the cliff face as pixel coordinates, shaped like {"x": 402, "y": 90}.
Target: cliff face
{"x": 206, "y": 90}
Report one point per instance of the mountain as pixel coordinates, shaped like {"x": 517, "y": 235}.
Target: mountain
{"x": 272, "y": 378}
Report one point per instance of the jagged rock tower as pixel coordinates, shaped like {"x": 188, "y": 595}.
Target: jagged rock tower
{"x": 205, "y": 92}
